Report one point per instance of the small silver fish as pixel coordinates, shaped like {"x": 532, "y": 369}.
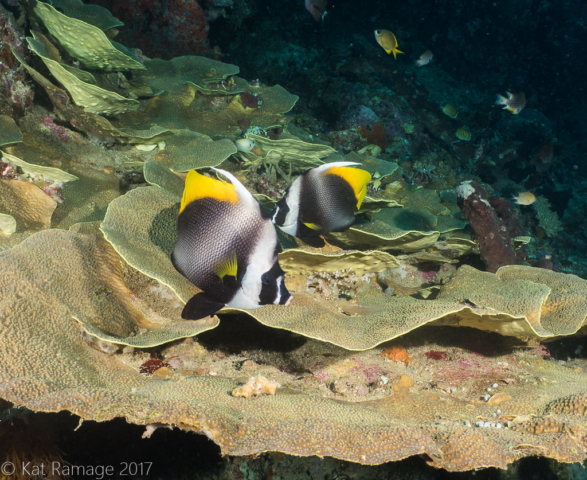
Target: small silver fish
{"x": 425, "y": 58}
{"x": 515, "y": 102}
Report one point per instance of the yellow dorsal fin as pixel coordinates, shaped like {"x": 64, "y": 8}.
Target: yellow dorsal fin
{"x": 313, "y": 226}
{"x": 227, "y": 267}
{"x": 198, "y": 186}
{"x": 355, "y": 177}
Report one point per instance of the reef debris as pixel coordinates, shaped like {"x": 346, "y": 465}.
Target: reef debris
{"x": 256, "y": 386}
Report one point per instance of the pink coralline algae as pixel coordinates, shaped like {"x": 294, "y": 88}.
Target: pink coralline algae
{"x": 372, "y": 372}
{"x": 17, "y": 92}
{"x": 61, "y": 133}
{"x": 54, "y": 190}
{"x": 7, "y": 171}
{"x": 429, "y": 277}
{"x": 437, "y": 355}
{"x": 542, "y": 351}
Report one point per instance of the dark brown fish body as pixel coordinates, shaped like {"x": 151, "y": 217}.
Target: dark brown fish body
{"x": 317, "y": 8}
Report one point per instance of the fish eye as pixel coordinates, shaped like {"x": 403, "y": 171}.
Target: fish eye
{"x": 377, "y": 32}
{"x": 266, "y": 279}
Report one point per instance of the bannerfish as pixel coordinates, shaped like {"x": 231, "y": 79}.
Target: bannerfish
{"x": 515, "y": 102}
{"x": 425, "y": 58}
{"x": 525, "y": 198}
{"x": 227, "y": 247}
{"x": 322, "y": 200}
{"x": 387, "y": 40}
{"x": 317, "y": 8}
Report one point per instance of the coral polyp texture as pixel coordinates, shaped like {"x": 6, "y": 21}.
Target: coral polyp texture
{"x": 97, "y": 386}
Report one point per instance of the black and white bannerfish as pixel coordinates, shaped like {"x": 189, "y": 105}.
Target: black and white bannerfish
{"x": 227, "y": 247}
{"x": 322, "y": 200}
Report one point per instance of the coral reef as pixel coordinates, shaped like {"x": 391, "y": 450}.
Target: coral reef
{"x": 16, "y": 92}
{"x": 443, "y": 325}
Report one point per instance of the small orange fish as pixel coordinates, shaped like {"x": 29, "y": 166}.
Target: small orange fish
{"x": 425, "y": 58}
{"x": 515, "y": 102}
{"x": 525, "y": 198}
{"x": 387, "y": 40}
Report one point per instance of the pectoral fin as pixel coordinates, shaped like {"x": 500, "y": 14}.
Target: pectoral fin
{"x": 313, "y": 226}
{"x": 200, "y": 306}
{"x": 227, "y": 267}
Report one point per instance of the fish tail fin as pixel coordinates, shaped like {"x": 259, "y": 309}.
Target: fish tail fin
{"x": 395, "y": 52}
{"x": 501, "y": 100}
{"x": 200, "y": 306}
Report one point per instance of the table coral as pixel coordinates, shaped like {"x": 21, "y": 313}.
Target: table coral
{"x": 100, "y": 387}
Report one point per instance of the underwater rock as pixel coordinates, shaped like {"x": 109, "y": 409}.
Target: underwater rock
{"x": 164, "y": 30}
{"x": 18, "y": 93}
{"x": 495, "y": 244}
